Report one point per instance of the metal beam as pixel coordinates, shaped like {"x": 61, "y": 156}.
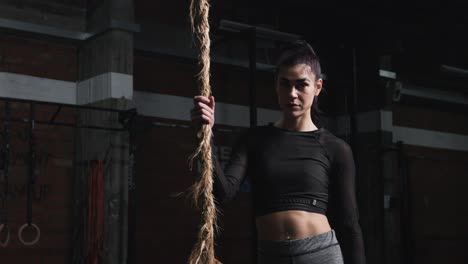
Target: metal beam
{"x": 67, "y": 34}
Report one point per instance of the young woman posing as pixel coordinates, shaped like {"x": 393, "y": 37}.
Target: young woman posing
{"x": 303, "y": 177}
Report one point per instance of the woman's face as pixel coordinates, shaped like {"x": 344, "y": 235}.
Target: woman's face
{"x": 297, "y": 85}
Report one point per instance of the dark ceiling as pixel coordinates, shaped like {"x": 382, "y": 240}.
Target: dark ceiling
{"x": 420, "y": 36}
{"x": 417, "y": 36}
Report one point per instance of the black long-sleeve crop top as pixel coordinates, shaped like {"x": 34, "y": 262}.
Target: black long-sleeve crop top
{"x": 296, "y": 170}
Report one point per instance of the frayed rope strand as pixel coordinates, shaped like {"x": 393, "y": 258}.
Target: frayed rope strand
{"x": 201, "y": 192}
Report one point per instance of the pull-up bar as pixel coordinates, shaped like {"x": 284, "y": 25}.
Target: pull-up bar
{"x": 125, "y": 116}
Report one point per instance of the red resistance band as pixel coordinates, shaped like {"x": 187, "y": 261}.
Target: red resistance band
{"x": 95, "y": 213}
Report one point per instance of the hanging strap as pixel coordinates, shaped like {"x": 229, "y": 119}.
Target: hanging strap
{"x": 5, "y": 159}
{"x": 31, "y": 182}
{"x": 32, "y": 163}
{"x": 4, "y": 229}
{"x": 5, "y": 152}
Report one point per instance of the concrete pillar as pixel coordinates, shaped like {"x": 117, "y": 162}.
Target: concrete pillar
{"x": 105, "y": 80}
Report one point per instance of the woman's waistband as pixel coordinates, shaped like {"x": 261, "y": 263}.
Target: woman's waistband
{"x": 290, "y": 203}
{"x": 297, "y": 246}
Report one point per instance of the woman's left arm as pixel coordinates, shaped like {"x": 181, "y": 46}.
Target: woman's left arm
{"x": 347, "y": 226}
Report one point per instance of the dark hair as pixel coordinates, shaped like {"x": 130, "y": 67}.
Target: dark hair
{"x": 300, "y": 52}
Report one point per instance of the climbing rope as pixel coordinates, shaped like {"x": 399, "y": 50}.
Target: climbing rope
{"x": 201, "y": 191}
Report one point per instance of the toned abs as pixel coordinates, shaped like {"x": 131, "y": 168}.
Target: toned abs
{"x": 291, "y": 224}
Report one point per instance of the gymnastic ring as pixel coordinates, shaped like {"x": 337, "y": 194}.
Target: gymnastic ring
{"x": 20, "y": 234}
{"x": 7, "y": 240}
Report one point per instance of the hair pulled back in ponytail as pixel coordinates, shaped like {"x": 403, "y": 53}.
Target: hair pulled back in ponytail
{"x": 300, "y": 52}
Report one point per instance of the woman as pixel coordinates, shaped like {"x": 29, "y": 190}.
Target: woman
{"x": 303, "y": 177}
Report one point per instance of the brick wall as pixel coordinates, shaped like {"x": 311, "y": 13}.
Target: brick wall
{"x": 38, "y": 57}
{"x": 230, "y": 84}
{"x": 52, "y": 203}
{"x": 167, "y": 227}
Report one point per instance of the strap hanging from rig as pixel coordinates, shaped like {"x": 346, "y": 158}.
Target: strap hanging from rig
{"x": 5, "y": 159}
{"x": 31, "y": 183}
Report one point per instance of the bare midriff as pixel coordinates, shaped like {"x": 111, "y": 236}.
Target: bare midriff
{"x": 291, "y": 224}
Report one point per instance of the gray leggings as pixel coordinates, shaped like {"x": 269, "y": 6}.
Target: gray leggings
{"x": 322, "y": 248}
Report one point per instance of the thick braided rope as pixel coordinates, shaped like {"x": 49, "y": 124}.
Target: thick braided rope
{"x": 201, "y": 191}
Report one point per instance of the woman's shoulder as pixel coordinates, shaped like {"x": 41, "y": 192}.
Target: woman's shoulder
{"x": 330, "y": 137}
{"x": 334, "y": 144}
